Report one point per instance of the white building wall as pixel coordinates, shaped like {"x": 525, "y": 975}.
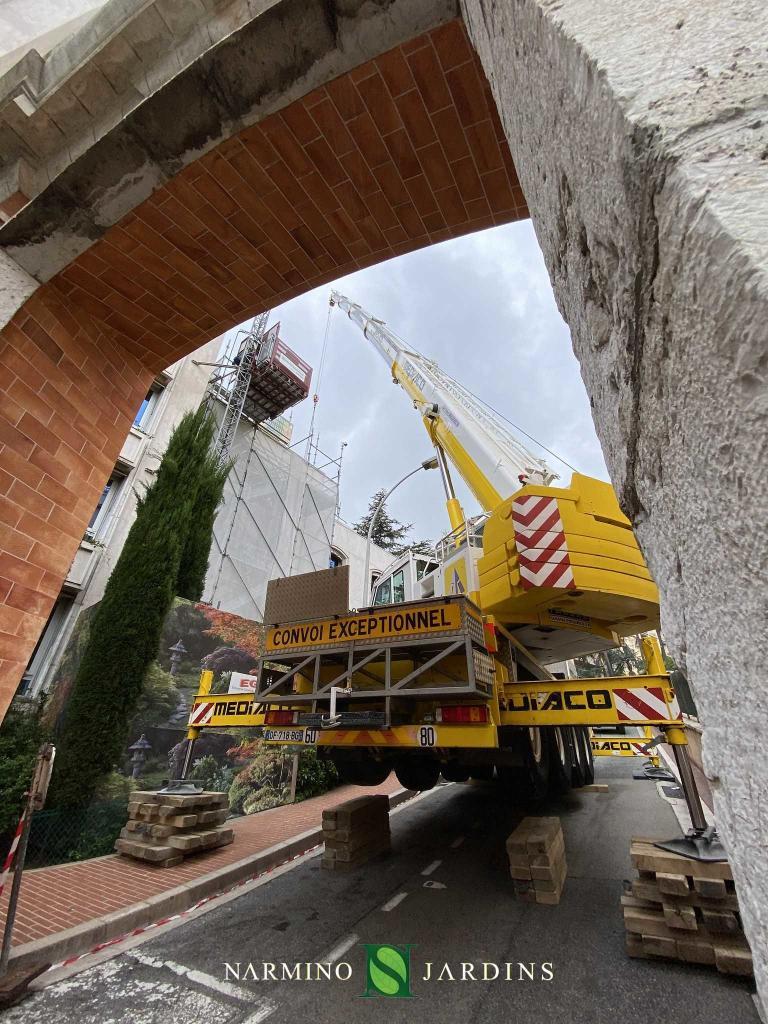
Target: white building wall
{"x": 351, "y": 546}
{"x": 276, "y": 521}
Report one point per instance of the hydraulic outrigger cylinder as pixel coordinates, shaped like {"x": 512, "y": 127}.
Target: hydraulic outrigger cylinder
{"x": 702, "y": 841}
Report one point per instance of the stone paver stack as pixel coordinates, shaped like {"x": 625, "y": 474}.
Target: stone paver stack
{"x": 163, "y": 828}
{"x": 537, "y": 864}
{"x": 355, "y": 831}
{"x": 683, "y": 909}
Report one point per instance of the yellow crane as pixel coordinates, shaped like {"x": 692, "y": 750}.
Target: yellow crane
{"x": 444, "y": 671}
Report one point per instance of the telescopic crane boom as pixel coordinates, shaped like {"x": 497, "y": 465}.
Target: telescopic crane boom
{"x": 491, "y": 460}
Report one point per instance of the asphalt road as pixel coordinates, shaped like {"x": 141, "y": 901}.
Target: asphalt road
{"x": 449, "y": 861}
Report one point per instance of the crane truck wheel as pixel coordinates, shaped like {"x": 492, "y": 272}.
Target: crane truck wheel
{"x": 580, "y": 757}
{"x": 528, "y": 781}
{"x": 582, "y": 736}
{"x": 417, "y": 773}
{"x": 454, "y": 771}
{"x": 561, "y": 758}
{"x": 367, "y": 772}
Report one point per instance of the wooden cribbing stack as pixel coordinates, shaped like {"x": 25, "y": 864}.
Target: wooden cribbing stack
{"x": 355, "y": 831}
{"x": 163, "y": 828}
{"x": 537, "y": 864}
{"x": 684, "y": 909}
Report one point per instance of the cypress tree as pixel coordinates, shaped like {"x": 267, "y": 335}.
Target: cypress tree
{"x": 127, "y": 625}
{"x": 197, "y": 548}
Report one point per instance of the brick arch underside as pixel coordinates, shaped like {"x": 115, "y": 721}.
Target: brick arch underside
{"x": 402, "y": 152}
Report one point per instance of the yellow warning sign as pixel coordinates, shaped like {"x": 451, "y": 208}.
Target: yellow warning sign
{"x": 368, "y": 626}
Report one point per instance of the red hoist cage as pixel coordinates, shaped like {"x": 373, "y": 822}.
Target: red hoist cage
{"x": 279, "y": 379}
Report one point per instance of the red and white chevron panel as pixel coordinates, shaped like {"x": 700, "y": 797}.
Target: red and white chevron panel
{"x": 644, "y": 703}
{"x": 202, "y": 714}
{"x": 541, "y": 544}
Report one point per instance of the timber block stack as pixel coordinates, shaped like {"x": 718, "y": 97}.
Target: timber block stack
{"x": 683, "y": 909}
{"x": 537, "y": 863}
{"x": 355, "y": 831}
{"x": 164, "y": 828}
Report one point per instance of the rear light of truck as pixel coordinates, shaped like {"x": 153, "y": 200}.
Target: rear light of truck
{"x": 281, "y": 717}
{"x": 462, "y": 713}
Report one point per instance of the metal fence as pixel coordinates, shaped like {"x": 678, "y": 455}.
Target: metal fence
{"x": 61, "y": 835}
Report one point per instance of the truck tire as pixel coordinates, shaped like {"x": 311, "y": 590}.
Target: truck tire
{"x": 587, "y": 762}
{"x": 417, "y": 773}
{"x": 528, "y": 783}
{"x": 454, "y": 771}
{"x": 561, "y": 759}
{"x": 367, "y": 772}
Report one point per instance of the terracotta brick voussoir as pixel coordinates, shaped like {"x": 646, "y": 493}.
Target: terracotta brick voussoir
{"x": 401, "y": 152}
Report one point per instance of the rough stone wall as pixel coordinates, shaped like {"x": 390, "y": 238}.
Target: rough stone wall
{"x": 639, "y": 135}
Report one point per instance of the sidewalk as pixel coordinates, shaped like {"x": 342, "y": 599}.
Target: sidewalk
{"x": 64, "y": 896}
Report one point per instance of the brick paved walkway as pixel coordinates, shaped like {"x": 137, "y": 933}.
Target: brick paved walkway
{"x": 59, "y": 897}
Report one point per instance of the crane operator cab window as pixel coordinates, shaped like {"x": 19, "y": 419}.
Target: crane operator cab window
{"x": 424, "y": 568}
{"x": 391, "y": 590}
{"x": 384, "y": 592}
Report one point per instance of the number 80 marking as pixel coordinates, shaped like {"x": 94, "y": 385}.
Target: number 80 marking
{"x": 426, "y": 736}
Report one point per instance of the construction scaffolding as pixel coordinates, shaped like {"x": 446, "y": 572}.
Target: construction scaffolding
{"x": 279, "y": 508}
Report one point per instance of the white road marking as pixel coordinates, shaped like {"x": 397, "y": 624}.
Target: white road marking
{"x": 457, "y": 842}
{"x": 431, "y": 867}
{"x": 391, "y": 904}
{"x": 338, "y": 951}
{"x": 433, "y": 885}
{"x": 264, "y": 1007}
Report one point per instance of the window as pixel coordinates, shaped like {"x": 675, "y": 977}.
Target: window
{"x": 424, "y": 568}
{"x": 102, "y": 513}
{"x": 384, "y": 592}
{"x": 335, "y": 560}
{"x": 398, "y": 587}
{"x": 143, "y": 417}
{"x": 42, "y": 656}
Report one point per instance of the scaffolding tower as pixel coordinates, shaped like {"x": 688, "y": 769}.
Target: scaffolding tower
{"x": 238, "y": 363}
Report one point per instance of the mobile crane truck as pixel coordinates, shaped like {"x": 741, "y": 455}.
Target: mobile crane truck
{"x": 444, "y": 669}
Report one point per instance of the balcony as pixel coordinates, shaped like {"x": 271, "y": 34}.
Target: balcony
{"x": 83, "y": 564}
{"x": 132, "y": 447}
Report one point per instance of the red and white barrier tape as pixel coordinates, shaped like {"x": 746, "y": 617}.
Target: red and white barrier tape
{"x": 12, "y": 852}
{"x": 142, "y": 929}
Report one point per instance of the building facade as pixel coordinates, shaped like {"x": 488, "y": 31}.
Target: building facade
{"x": 278, "y": 517}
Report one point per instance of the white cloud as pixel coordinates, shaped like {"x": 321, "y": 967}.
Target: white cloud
{"x": 483, "y": 307}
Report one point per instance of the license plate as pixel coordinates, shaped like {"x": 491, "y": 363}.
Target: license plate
{"x": 284, "y": 735}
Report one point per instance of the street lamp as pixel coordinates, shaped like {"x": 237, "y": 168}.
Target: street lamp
{"x": 426, "y": 464}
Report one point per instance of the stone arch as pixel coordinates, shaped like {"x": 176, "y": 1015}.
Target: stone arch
{"x": 639, "y": 136}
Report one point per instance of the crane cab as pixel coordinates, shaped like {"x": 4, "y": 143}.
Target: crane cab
{"x": 410, "y": 577}
{"x": 452, "y": 570}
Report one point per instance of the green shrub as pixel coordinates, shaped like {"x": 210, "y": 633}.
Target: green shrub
{"x": 114, "y": 787}
{"x": 20, "y": 737}
{"x": 315, "y": 775}
{"x": 126, "y": 627}
{"x": 266, "y": 778}
{"x": 158, "y": 699}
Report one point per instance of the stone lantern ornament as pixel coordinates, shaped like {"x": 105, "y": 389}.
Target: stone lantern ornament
{"x": 139, "y": 755}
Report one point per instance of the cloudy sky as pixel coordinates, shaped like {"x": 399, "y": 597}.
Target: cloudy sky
{"x": 482, "y": 306}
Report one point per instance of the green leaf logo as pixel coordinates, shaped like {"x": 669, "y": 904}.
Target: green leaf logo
{"x": 388, "y": 971}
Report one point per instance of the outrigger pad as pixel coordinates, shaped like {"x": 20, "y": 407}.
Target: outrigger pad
{"x": 181, "y": 787}
{"x": 657, "y": 774}
{"x": 701, "y": 845}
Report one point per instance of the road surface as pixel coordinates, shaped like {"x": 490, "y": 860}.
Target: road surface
{"x": 445, "y": 892}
